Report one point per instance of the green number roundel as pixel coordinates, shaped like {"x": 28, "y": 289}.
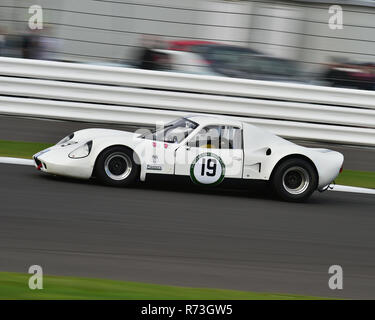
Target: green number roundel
{"x": 207, "y": 168}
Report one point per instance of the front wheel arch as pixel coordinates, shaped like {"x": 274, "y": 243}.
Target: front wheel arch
{"x": 137, "y": 159}
{"x": 100, "y": 173}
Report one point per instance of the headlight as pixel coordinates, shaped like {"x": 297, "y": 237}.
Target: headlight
{"x": 82, "y": 151}
{"x": 66, "y": 139}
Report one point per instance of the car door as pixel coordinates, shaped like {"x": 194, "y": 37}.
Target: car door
{"x": 160, "y": 145}
{"x": 159, "y": 157}
{"x": 213, "y": 154}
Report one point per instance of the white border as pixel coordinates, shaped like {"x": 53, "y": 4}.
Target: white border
{"x": 25, "y": 162}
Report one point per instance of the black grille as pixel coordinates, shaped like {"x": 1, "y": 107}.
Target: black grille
{"x": 37, "y": 161}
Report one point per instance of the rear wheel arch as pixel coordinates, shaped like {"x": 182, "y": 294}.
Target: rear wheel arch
{"x": 294, "y": 156}
{"x": 294, "y": 178}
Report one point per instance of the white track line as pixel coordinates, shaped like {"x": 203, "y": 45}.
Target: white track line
{"x": 25, "y": 162}
{"x": 29, "y": 162}
{"x": 353, "y": 189}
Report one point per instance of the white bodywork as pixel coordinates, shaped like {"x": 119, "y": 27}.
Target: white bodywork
{"x": 260, "y": 154}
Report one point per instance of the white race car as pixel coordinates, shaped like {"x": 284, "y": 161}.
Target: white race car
{"x": 208, "y": 149}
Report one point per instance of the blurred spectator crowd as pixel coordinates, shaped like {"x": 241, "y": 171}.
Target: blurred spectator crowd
{"x": 213, "y": 58}
{"x": 205, "y": 58}
{"x": 33, "y": 44}
{"x": 349, "y": 74}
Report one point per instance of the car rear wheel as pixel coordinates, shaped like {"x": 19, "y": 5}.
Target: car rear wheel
{"x": 294, "y": 180}
{"x": 116, "y": 166}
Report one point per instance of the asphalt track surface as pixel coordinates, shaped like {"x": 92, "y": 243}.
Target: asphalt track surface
{"x": 159, "y": 232}
{"x": 179, "y": 235}
{"x": 26, "y": 129}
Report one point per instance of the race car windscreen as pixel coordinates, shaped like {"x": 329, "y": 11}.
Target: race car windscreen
{"x": 173, "y": 132}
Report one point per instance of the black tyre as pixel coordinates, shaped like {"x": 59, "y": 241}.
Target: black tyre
{"x": 294, "y": 180}
{"x": 115, "y": 166}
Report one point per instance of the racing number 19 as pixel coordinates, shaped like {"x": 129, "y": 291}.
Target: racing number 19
{"x": 211, "y": 167}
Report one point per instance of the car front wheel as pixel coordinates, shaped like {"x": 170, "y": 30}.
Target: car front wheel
{"x": 294, "y": 180}
{"x": 116, "y": 166}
